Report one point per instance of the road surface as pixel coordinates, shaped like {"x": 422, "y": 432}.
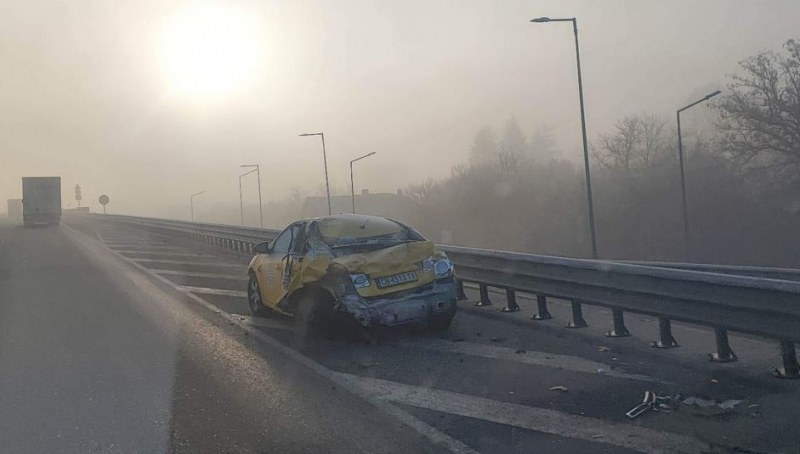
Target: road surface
{"x": 120, "y": 338}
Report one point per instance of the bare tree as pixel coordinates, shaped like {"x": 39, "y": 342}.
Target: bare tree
{"x": 422, "y": 192}
{"x": 637, "y": 142}
{"x": 760, "y": 115}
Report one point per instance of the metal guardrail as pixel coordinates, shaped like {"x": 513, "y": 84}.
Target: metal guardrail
{"x": 760, "y": 301}
{"x": 786, "y": 274}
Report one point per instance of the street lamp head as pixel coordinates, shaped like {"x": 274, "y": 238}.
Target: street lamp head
{"x": 362, "y": 157}
{"x": 311, "y": 134}
{"x": 249, "y": 165}
{"x": 711, "y": 95}
{"x": 541, "y": 19}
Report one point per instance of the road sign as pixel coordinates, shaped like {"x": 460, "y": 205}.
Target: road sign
{"x": 103, "y": 199}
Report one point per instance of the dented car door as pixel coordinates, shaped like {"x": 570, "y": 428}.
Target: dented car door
{"x": 277, "y": 267}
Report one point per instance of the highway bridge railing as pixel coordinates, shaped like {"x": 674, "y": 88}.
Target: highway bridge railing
{"x": 763, "y": 302}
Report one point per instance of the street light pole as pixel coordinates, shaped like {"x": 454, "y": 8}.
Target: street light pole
{"x": 352, "y": 186}
{"x": 686, "y": 237}
{"x": 191, "y": 202}
{"x": 325, "y": 161}
{"x": 260, "y": 205}
{"x": 241, "y": 203}
{"x": 589, "y": 197}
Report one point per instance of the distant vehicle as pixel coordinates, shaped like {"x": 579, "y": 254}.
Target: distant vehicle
{"x": 41, "y": 200}
{"x": 15, "y": 210}
{"x": 333, "y": 270}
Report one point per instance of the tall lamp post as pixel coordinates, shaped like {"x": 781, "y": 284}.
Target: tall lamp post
{"x": 686, "y": 238}
{"x": 325, "y": 161}
{"x": 352, "y": 186}
{"x": 191, "y": 202}
{"x": 583, "y": 128}
{"x": 260, "y": 205}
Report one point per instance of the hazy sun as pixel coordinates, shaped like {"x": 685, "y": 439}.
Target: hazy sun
{"x": 211, "y": 49}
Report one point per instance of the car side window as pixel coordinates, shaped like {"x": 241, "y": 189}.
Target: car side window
{"x": 281, "y": 244}
{"x": 298, "y": 246}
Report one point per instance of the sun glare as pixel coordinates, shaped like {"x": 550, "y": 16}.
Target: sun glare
{"x": 211, "y": 50}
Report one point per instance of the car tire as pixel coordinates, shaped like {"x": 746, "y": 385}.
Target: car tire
{"x": 314, "y": 312}
{"x": 441, "y": 322}
{"x": 254, "y": 299}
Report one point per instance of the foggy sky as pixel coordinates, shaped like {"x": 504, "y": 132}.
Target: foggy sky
{"x": 84, "y": 95}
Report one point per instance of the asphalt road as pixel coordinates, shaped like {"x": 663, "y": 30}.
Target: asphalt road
{"x": 119, "y": 338}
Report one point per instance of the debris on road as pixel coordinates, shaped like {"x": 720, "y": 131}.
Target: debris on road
{"x": 563, "y": 389}
{"x": 457, "y": 339}
{"x": 368, "y": 365}
{"x": 708, "y": 407}
{"x": 600, "y": 370}
{"x": 602, "y": 348}
{"x": 520, "y": 351}
{"x": 498, "y": 339}
{"x": 656, "y": 403}
{"x": 643, "y": 407}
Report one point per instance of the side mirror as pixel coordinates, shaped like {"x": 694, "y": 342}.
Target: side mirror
{"x": 261, "y": 248}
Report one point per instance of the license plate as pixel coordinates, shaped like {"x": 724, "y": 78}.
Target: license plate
{"x": 397, "y": 279}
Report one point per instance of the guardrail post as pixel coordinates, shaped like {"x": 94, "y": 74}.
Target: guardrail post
{"x": 577, "y": 316}
{"x": 485, "y": 301}
{"x": 665, "y": 333}
{"x": 460, "y": 290}
{"x": 724, "y": 354}
{"x": 619, "y": 324}
{"x": 511, "y": 301}
{"x": 790, "y": 369}
{"x": 541, "y": 308}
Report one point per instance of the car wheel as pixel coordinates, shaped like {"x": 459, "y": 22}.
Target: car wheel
{"x": 254, "y": 299}
{"x": 441, "y": 322}
{"x": 314, "y": 312}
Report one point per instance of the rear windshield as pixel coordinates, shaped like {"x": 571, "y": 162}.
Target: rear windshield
{"x": 348, "y": 235}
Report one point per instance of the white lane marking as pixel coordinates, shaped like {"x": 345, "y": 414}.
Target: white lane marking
{"x": 525, "y": 417}
{"x": 534, "y": 358}
{"x": 166, "y": 254}
{"x": 213, "y": 291}
{"x": 435, "y": 436}
{"x": 237, "y": 277}
{"x": 133, "y": 242}
{"x": 271, "y": 323}
{"x": 183, "y": 262}
{"x": 147, "y": 247}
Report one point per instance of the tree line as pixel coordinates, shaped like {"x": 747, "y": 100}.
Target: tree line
{"x": 516, "y": 193}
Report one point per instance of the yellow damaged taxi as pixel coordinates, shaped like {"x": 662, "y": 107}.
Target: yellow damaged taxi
{"x": 336, "y": 269}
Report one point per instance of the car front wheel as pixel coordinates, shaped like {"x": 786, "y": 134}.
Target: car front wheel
{"x": 254, "y": 299}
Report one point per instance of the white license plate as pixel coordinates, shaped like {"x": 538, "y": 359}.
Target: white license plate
{"x": 397, "y": 279}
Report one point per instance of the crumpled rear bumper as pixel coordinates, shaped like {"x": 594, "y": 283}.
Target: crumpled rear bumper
{"x": 404, "y": 308}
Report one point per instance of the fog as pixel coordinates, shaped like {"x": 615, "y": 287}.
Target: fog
{"x": 90, "y": 90}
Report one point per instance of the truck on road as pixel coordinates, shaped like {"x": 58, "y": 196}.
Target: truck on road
{"x": 41, "y": 200}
